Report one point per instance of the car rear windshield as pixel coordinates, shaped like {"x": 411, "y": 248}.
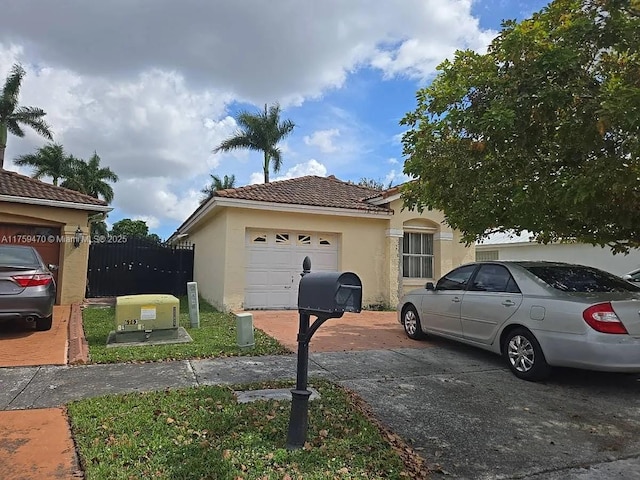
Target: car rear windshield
{"x": 17, "y": 257}
{"x": 576, "y": 278}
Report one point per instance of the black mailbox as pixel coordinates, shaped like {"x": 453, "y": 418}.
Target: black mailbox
{"x": 330, "y": 294}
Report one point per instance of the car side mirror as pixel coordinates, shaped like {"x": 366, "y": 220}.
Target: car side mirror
{"x": 430, "y": 286}
{"x": 52, "y": 267}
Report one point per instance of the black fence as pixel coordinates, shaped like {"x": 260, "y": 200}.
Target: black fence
{"x": 135, "y": 266}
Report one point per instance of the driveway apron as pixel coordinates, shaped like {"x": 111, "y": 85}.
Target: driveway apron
{"x": 21, "y": 345}
{"x": 353, "y": 332}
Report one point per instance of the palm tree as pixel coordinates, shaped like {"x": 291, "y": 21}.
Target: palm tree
{"x": 261, "y": 132}
{"x": 13, "y": 116}
{"x": 90, "y": 179}
{"x": 217, "y": 184}
{"x": 48, "y": 161}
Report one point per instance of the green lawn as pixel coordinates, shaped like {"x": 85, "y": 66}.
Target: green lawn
{"x": 203, "y": 433}
{"x": 216, "y": 337}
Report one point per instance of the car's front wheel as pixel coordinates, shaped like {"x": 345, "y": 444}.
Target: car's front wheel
{"x": 524, "y": 356}
{"x": 43, "y": 324}
{"x": 411, "y": 323}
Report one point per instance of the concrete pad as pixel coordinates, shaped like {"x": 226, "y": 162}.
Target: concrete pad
{"x": 628, "y": 469}
{"x": 183, "y": 337}
{"x": 280, "y": 394}
{"x": 367, "y": 330}
{"x": 22, "y": 346}
{"x": 373, "y": 364}
{"x": 36, "y": 444}
{"x": 251, "y": 369}
{"x": 492, "y": 425}
{"x": 13, "y": 381}
{"x": 56, "y": 386}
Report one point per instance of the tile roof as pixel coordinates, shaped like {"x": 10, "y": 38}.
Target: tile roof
{"x": 16, "y": 185}
{"x": 311, "y": 190}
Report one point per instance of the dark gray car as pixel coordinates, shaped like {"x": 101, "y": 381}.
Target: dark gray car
{"x": 535, "y": 314}
{"x": 27, "y": 287}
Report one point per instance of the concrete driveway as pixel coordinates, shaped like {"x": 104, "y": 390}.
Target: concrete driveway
{"x": 353, "y": 332}
{"x": 22, "y": 345}
{"x": 471, "y": 418}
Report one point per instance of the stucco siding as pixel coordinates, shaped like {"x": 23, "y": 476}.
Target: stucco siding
{"x": 597, "y": 257}
{"x": 361, "y": 250}
{"x": 72, "y": 273}
{"x": 449, "y": 252}
{"x": 209, "y": 259}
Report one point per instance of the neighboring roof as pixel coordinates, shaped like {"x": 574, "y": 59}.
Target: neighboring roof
{"x": 23, "y": 189}
{"x": 310, "y": 190}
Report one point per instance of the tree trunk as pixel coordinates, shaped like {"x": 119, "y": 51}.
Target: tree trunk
{"x": 266, "y": 167}
{"x": 3, "y": 143}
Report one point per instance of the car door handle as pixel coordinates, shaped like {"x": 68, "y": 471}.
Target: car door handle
{"x": 508, "y": 303}
{"x": 455, "y": 299}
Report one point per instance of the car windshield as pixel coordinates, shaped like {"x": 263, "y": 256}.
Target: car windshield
{"x": 582, "y": 279}
{"x": 17, "y": 257}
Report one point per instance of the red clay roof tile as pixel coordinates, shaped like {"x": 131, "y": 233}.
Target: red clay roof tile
{"x": 16, "y": 185}
{"x": 309, "y": 190}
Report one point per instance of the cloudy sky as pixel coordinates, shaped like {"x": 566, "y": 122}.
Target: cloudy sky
{"x": 153, "y": 86}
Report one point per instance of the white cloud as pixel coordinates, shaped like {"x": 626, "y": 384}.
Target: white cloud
{"x": 323, "y": 139}
{"x": 392, "y": 161}
{"x": 154, "y": 198}
{"x": 312, "y": 167}
{"x": 306, "y": 47}
{"x": 149, "y": 85}
{"x": 395, "y": 178}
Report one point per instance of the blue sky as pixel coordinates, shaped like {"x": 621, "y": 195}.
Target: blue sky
{"x": 154, "y": 86}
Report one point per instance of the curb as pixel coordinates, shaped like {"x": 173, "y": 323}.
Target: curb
{"x": 78, "y": 346}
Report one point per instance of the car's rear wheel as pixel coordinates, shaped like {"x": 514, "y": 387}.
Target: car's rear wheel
{"x": 411, "y": 323}
{"x": 45, "y": 323}
{"x": 524, "y": 356}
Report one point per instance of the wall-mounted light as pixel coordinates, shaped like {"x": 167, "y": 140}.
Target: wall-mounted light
{"x": 77, "y": 237}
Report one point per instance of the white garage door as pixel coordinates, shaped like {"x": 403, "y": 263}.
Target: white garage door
{"x": 274, "y": 264}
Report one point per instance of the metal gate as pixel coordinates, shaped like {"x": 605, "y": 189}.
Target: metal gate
{"x": 137, "y": 266}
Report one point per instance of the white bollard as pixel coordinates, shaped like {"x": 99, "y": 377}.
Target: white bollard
{"x": 194, "y": 304}
{"x": 244, "y": 330}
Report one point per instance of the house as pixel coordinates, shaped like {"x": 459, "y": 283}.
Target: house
{"x": 55, "y": 221}
{"x": 250, "y": 242}
{"x": 520, "y": 247}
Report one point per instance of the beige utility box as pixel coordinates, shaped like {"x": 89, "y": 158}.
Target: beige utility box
{"x": 143, "y": 317}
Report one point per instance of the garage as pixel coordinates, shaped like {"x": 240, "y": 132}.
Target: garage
{"x": 55, "y": 221}
{"x": 274, "y": 263}
{"x": 45, "y": 239}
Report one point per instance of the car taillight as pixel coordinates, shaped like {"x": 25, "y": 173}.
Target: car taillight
{"x": 36, "y": 280}
{"x": 602, "y": 318}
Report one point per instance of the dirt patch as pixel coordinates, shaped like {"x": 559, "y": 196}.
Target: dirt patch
{"x": 23, "y": 346}
{"x": 364, "y": 331}
{"x": 36, "y": 444}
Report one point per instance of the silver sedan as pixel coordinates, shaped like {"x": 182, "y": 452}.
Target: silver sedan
{"x": 535, "y": 314}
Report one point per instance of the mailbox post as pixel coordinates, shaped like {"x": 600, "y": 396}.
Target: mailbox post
{"x": 324, "y": 295}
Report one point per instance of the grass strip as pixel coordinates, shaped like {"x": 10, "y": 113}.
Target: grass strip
{"x": 203, "y": 433}
{"x": 216, "y": 337}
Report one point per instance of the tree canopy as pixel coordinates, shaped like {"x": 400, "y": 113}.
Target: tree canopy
{"x": 134, "y": 228}
{"x": 90, "y": 178}
{"x": 260, "y": 131}
{"x": 540, "y": 134}
{"x": 48, "y": 161}
{"x": 13, "y": 116}
{"x": 217, "y": 183}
